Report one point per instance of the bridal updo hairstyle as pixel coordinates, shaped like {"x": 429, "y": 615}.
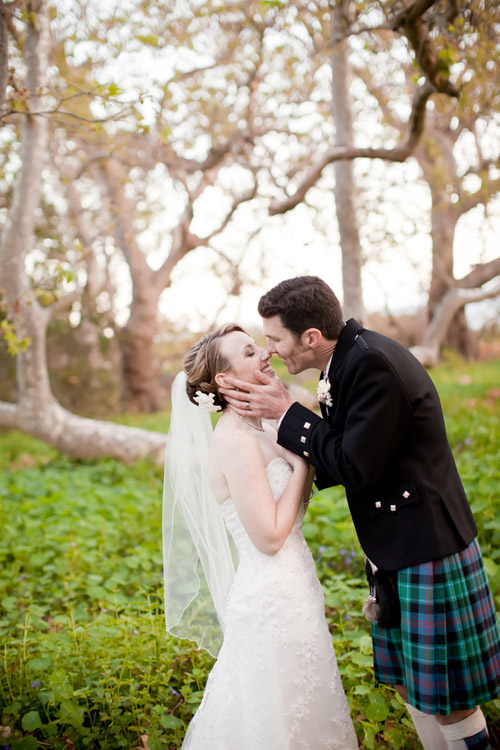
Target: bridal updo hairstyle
{"x": 304, "y": 302}
{"x": 202, "y": 363}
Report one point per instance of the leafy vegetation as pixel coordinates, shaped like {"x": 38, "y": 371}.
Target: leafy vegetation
{"x": 85, "y": 659}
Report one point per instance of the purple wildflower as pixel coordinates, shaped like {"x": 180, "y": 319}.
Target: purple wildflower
{"x": 35, "y": 683}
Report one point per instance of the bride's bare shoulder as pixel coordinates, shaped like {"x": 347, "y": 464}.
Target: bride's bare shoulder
{"x": 232, "y": 437}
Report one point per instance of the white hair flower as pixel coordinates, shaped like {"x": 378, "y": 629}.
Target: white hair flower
{"x": 323, "y": 391}
{"x": 206, "y": 401}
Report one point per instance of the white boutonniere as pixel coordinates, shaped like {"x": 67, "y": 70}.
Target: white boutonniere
{"x": 323, "y": 391}
{"x": 206, "y": 401}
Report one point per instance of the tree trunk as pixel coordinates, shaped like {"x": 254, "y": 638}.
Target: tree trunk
{"x": 29, "y": 318}
{"x": 87, "y": 332}
{"x": 4, "y": 52}
{"x": 443, "y": 225}
{"x": 436, "y": 158}
{"x": 37, "y": 412}
{"x": 139, "y": 365}
{"x": 345, "y": 187}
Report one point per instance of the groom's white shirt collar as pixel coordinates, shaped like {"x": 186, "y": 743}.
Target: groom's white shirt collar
{"x": 327, "y": 368}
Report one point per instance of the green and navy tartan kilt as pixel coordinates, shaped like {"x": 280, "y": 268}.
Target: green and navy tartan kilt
{"x": 447, "y": 649}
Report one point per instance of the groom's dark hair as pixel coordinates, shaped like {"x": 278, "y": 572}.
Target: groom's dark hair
{"x": 304, "y": 302}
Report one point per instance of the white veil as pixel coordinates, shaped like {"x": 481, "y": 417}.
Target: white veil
{"x": 198, "y": 563}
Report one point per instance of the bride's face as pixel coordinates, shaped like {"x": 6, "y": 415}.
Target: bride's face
{"x": 244, "y": 356}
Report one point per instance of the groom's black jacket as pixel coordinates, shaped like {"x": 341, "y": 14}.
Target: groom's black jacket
{"x": 384, "y": 439}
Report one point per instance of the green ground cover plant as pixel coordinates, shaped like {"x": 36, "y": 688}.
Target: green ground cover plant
{"x": 85, "y": 660}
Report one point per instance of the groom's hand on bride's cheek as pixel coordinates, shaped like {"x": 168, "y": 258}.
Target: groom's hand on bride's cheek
{"x": 268, "y": 399}
{"x": 234, "y": 392}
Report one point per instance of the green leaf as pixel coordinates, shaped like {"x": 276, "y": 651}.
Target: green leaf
{"x": 71, "y": 713}
{"x": 363, "y": 660}
{"x": 38, "y": 665}
{"x": 60, "y": 686}
{"x": 362, "y": 689}
{"x": 170, "y": 722}
{"x": 31, "y": 721}
{"x": 114, "y": 90}
{"x": 148, "y": 39}
{"x": 395, "y": 737}
{"x": 366, "y": 645}
{"x": 27, "y": 743}
{"x": 376, "y": 712}
{"x": 490, "y": 566}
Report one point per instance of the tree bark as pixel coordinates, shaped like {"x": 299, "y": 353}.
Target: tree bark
{"x": 4, "y": 52}
{"x": 139, "y": 363}
{"x": 345, "y": 186}
{"x": 438, "y": 164}
{"x": 87, "y": 333}
{"x": 451, "y": 303}
{"x": 22, "y": 307}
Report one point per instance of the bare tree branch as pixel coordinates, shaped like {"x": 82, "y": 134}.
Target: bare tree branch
{"x": 398, "y": 154}
{"x": 248, "y": 195}
{"x": 115, "y": 179}
{"x": 412, "y": 24}
{"x": 454, "y": 300}
{"x": 65, "y": 302}
{"x": 480, "y": 274}
{"x": 481, "y": 196}
{"x": 183, "y": 241}
{"x": 410, "y": 13}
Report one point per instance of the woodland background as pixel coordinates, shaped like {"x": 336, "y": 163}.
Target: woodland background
{"x": 152, "y": 146}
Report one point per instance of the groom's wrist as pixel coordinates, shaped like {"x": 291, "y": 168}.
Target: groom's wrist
{"x": 282, "y": 416}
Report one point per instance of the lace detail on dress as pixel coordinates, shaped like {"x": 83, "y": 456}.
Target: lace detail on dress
{"x": 275, "y": 685}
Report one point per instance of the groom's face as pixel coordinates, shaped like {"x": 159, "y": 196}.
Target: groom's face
{"x": 281, "y": 341}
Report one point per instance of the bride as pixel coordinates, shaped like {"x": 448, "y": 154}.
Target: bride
{"x": 275, "y": 684}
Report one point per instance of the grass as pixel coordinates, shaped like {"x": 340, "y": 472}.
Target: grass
{"x": 85, "y": 659}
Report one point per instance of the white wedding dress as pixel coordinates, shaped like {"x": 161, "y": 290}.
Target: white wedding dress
{"x": 275, "y": 684}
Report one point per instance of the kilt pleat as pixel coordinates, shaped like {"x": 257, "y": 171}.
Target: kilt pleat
{"x": 447, "y": 649}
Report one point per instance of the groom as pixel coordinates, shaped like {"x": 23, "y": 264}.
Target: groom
{"x": 382, "y": 436}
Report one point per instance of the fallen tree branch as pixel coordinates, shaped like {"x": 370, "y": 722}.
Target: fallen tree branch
{"x": 81, "y": 437}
